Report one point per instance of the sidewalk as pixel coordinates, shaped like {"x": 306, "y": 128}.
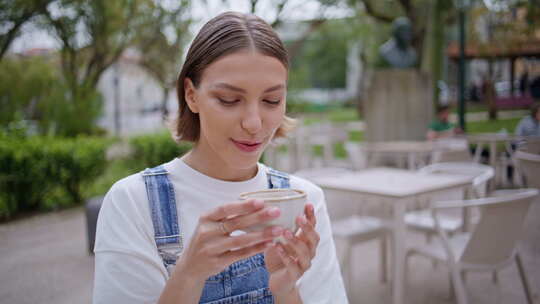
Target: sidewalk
{"x": 44, "y": 260}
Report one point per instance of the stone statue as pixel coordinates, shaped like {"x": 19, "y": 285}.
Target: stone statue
{"x": 398, "y": 52}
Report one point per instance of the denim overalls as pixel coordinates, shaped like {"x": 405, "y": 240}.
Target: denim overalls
{"x": 243, "y": 282}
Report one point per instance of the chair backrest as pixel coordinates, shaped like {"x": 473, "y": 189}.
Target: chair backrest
{"x": 531, "y": 145}
{"x": 357, "y": 155}
{"x": 494, "y": 239}
{"x": 444, "y": 156}
{"x": 529, "y": 165}
{"x": 451, "y": 150}
{"x": 481, "y": 173}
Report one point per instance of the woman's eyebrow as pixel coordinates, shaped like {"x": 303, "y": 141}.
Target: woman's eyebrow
{"x": 223, "y": 85}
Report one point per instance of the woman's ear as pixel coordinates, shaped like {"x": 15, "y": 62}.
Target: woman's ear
{"x": 189, "y": 95}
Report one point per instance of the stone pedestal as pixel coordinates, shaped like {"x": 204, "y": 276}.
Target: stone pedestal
{"x": 398, "y": 105}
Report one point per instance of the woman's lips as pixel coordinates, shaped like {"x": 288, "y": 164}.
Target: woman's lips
{"x": 247, "y": 146}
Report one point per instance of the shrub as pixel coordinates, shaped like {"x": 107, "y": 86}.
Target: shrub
{"x": 32, "y": 89}
{"x": 155, "y": 149}
{"x": 44, "y": 173}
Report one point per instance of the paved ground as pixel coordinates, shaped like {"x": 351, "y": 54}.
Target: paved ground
{"x": 44, "y": 260}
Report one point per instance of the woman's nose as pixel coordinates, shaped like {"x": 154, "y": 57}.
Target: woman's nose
{"x": 251, "y": 121}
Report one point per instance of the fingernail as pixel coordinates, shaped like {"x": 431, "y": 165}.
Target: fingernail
{"x": 273, "y": 211}
{"x": 258, "y": 203}
{"x": 288, "y": 235}
{"x": 277, "y": 231}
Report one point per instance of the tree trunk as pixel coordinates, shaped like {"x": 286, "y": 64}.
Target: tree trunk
{"x": 437, "y": 48}
{"x": 164, "y": 108}
{"x": 490, "y": 93}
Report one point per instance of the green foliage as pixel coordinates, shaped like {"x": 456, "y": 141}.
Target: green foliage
{"x": 322, "y": 61}
{"x": 31, "y": 89}
{"x": 115, "y": 170}
{"x": 44, "y": 173}
{"x": 155, "y": 149}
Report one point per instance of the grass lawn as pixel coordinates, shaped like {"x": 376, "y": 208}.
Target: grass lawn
{"x": 489, "y": 126}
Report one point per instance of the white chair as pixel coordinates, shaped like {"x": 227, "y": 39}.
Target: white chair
{"x": 480, "y": 176}
{"x": 324, "y": 135}
{"x": 357, "y": 155}
{"x": 349, "y": 226}
{"x": 531, "y": 145}
{"x": 529, "y": 166}
{"x": 491, "y": 246}
{"x": 451, "y": 150}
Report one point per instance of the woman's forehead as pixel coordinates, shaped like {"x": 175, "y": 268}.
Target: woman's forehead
{"x": 245, "y": 68}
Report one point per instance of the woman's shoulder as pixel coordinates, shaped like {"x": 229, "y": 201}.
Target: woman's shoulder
{"x": 128, "y": 184}
{"x": 126, "y": 193}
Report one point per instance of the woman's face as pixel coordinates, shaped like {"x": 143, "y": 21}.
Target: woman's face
{"x": 241, "y": 103}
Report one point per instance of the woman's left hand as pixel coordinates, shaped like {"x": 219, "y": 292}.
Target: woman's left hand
{"x": 286, "y": 263}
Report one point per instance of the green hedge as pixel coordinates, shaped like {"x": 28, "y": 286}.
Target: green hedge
{"x": 155, "y": 149}
{"x": 45, "y": 173}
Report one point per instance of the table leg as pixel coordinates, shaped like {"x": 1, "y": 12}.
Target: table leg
{"x": 399, "y": 252}
{"x": 411, "y": 161}
{"x": 493, "y": 163}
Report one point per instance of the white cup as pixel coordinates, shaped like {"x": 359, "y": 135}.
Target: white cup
{"x": 291, "y": 202}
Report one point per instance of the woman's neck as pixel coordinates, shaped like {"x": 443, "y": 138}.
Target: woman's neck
{"x": 213, "y": 166}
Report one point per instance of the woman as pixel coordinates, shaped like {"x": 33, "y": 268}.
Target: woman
{"x": 164, "y": 235}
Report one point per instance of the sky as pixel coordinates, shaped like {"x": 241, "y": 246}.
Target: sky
{"x": 35, "y": 37}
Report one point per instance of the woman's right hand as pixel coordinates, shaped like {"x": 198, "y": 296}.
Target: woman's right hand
{"x": 212, "y": 248}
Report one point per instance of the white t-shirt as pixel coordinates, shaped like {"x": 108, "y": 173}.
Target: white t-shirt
{"x": 128, "y": 268}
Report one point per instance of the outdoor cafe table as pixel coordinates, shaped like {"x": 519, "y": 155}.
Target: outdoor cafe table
{"x": 400, "y": 189}
{"x": 415, "y": 152}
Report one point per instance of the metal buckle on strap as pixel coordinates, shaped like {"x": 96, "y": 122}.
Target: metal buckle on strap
{"x": 150, "y": 173}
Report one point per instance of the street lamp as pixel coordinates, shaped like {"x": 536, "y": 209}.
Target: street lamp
{"x": 462, "y": 6}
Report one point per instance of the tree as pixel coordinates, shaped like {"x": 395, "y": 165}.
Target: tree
{"x": 93, "y": 35}
{"x": 13, "y": 15}
{"x": 161, "y": 43}
{"x": 33, "y": 90}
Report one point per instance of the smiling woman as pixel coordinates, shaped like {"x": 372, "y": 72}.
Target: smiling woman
{"x": 170, "y": 234}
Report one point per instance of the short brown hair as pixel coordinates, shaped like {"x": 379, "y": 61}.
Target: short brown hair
{"x": 225, "y": 34}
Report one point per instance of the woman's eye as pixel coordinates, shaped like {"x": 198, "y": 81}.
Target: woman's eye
{"x": 272, "y": 102}
{"x": 228, "y": 102}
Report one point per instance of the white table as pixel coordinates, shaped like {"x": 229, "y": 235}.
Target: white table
{"x": 416, "y": 153}
{"x": 398, "y": 188}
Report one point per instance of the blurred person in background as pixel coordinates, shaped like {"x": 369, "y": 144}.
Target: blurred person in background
{"x": 441, "y": 127}
{"x": 530, "y": 124}
{"x": 170, "y": 234}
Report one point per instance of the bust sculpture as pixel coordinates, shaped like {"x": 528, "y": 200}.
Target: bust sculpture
{"x": 398, "y": 52}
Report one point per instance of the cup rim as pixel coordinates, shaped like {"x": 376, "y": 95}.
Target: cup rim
{"x": 300, "y": 194}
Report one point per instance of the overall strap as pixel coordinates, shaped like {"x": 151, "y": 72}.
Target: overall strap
{"x": 162, "y": 207}
{"x": 277, "y": 179}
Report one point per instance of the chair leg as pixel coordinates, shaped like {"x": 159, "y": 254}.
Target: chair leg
{"x": 459, "y": 287}
{"x": 344, "y": 263}
{"x": 495, "y": 277}
{"x": 384, "y": 261}
{"x": 451, "y": 291}
{"x": 524, "y": 279}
